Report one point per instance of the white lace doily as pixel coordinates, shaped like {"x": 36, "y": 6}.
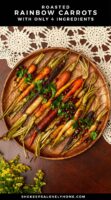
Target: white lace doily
{"x": 95, "y": 42}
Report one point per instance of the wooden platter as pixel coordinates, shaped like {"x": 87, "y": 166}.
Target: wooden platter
{"x": 102, "y": 93}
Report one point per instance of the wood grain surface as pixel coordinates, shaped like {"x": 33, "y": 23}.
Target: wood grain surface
{"x": 89, "y": 172}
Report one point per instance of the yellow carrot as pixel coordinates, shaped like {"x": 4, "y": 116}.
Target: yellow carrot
{"x": 55, "y": 133}
{"x": 42, "y": 108}
{"x": 63, "y": 88}
{"x": 34, "y": 105}
{"x": 65, "y": 127}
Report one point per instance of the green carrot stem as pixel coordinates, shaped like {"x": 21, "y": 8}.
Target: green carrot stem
{"x": 54, "y": 58}
{"x": 91, "y": 79}
{"x": 89, "y": 93}
{"x": 37, "y": 145}
{"x": 85, "y": 67}
{"x": 24, "y": 130}
{"x": 91, "y": 100}
{"x": 70, "y": 144}
{"x": 18, "y": 107}
{"x": 101, "y": 114}
{"x": 8, "y": 110}
{"x": 45, "y": 143}
{"x": 44, "y": 138}
{"x": 82, "y": 92}
{"x": 16, "y": 126}
{"x": 58, "y": 60}
{"x": 38, "y": 59}
{"x": 72, "y": 66}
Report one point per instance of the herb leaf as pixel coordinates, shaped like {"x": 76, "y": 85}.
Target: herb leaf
{"x": 93, "y": 135}
{"x": 38, "y": 86}
{"x": 28, "y": 79}
{"x": 31, "y": 95}
{"x": 48, "y": 89}
{"x": 44, "y": 100}
{"x": 56, "y": 103}
{"x": 85, "y": 122}
{"x": 60, "y": 112}
{"x": 21, "y": 72}
{"x": 53, "y": 89}
{"x": 75, "y": 125}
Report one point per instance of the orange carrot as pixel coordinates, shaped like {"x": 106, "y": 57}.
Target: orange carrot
{"x": 76, "y": 85}
{"x": 41, "y": 75}
{"x": 22, "y": 85}
{"x": 32, "y": 68}
{"x": 55, "y": 133}
{"x": 64, "y": 78}
{"x": 42, "y": 108}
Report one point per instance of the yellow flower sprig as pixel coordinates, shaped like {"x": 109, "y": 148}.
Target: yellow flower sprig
{"x": 12, "y": 180}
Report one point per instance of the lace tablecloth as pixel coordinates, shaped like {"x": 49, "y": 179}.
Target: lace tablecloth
{"x": 94, "y": 42}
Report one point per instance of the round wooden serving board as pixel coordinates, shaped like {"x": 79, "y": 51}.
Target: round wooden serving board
{"x": 103, "y": 93}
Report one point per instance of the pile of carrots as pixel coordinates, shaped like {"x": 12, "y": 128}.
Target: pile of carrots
{"x": 52, "y": 103}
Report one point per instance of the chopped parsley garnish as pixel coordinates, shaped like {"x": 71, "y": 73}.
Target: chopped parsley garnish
{"x": 44, "y": 100}
{"x": 85, "y": 122}
{"x": 28, "y": 78}
{"x": 93, "y": 135}
{"x": 49, "y": 89}
{"x": 21, "y": 72}
{"x": 39, "y": 86}
{"x": 60, "y": 112}
{"x": 52, "y": 87}
{"x": 57, "y": 102}
{"x": 64, "y": 109}
{"x": 31, "y": 95}
{"x": 75, "y": 125}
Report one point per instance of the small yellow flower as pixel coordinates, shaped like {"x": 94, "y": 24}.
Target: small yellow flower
{"x": 5, "y": 171}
